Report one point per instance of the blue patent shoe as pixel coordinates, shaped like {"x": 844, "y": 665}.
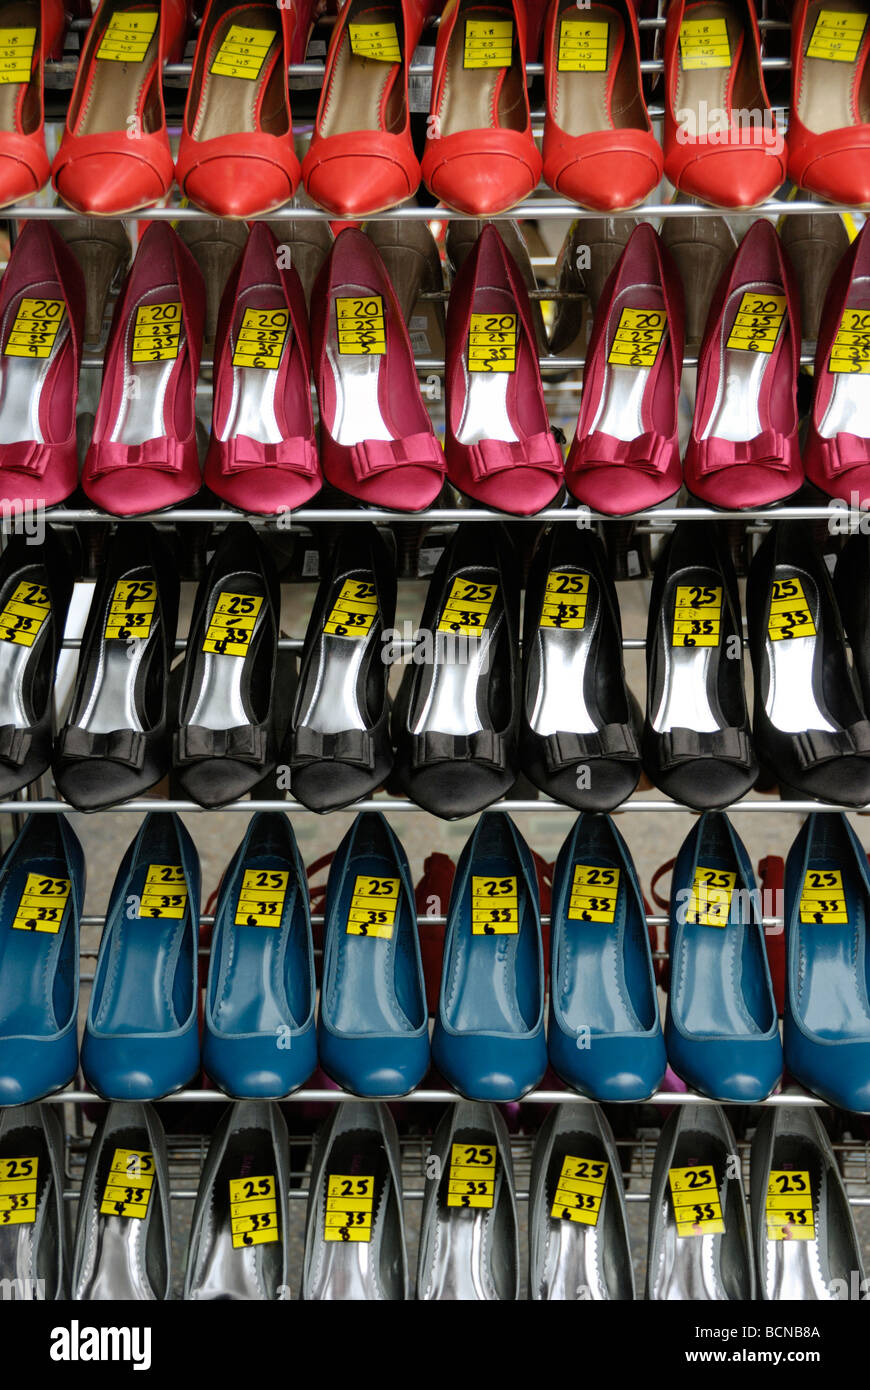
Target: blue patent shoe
{"x": 489, "y": 1031}
{"x": 259, "y": 1041}
{"x": 42, "y": 888}
{"x": 721, "y": 1028}
{"x": 141, "y": 1039}
{"x": 826, "y": 1023}
{"x": 373, "y": 1029}
{"x": 605, "y": 1035}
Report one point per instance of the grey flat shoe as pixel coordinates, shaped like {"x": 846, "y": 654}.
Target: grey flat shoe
{"x": 33, "y": 1256}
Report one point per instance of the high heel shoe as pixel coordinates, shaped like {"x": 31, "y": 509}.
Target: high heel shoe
{"x": 829, "y": 120}
{"x": 33, "y": 1228}
{"x": 102, "y": 248}
{"x": 701, "y": 248}
{"x": 462, "y": 237}
{"x": 32, "y": 31}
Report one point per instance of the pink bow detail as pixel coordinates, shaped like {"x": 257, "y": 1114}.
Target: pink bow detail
{"x": 843, "y": 451}
{"x": 165, "y": 453}
{"x": 650, "y": 452}
{"x": 380, "y": 455}
{"x": 298, "y": 455}
{"x": 25, "y": 456}
{"x": 495, "y": 455}
{"x": 768, "y": 448}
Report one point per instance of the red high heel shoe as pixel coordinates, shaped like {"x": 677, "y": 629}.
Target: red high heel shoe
{"x": 143, "y": 453}
{"x": 114, "y": 156}
{"x": 236, "y": 157}
{"x": 262, "y": 456}
{"x": 480, "y": 154}
{"x": 42, "y": 312}
{"x": 361, "y": 158}
{"x": 829, "y": 122}
{"x": 30, "y": 32}
{"x": 376, "y": 438}
{"x": 500, "y": 449}
{"x": 743, "y": 447}
{"x": 599, "y": 148}
{"x": 626, "y": 452}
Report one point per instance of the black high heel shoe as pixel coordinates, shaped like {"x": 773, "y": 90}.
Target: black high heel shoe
{"x": 579, "y": 721}
{"x": 116, "y": 741}
{"x": 227, "y": 739}
{"x": 338, "y": 742}
{"x": 852, "y": 589}
{"x": 696, "y": 740}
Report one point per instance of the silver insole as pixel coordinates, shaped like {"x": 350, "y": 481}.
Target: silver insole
{"x": 22, "y": 379}
{"x": 460, "y": 1268}
{"x": 848, "y": 409}
{"x": 228, "y": 1272}
{"x": 485, "y": 414}
{"x": 688, "y": 1266}
{"x": 790, "y": 702}
{"x": 141, "y": 412}
{"x": 735, "y": 414}
{"x": 115, "y": 1266}
{"x": 356, "y": 378}
{"x": 220, "y": 703}
{"x": 252, "y": 407}
{"x": 620, "y": 409}
{"x": 14, "y": 659}
{"x": 112, "y": 699}
{"x": 573, "y": 1260}
{"x": 563, "y": 661}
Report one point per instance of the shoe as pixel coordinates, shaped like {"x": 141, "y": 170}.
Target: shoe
{"x": 701, "y": 249}
{"x": 826, "y": 1023}
{"x": 123, "y": 1246}
{"x": 42, "y": 308}
{"x": 587, "y": 256}
{"x": 338, "y": 743}
{"x": 489, "y": 1040}
{"x": 480, "y": 156}
{"x": 721, "y": 1029}
{"x": 33, "y": 1245}
{"x": 699, "y": 1237}
{"x": 102, "y": 248}
{"x": 227, "y": 739}
{"x": 355, "y": 1200}
{"x": 852, "y": 590}
{"x": 829, "y": 121}
{"x": 117, "y": 94}
{"x": 262, "y": 457}
{"x": 361, "y": 158}
{"x": 412, "y": 261}
{"x": 500, "y": 449}
{"x": 599, "y": 146}
{"x": 814, "y": 244}
{"x": 713, "y": 78}
{"x": 143, "y": 453}
{"x": 578, "y": 1219}
{"x": 626, "y": 453}
{"x": 696, "y": 740}
{"x": 216, "y": 247}
{"x": 605, "y": 1034}
{"x": 259, "y": 1038}
{"x": 810, "y": 729}
{"x": 743, "y": 448}
{"x": 579, "y": 722}
{"x": 239, "y": 1234}
{"x": 469, "y": 1244}
{"x": 456, "y": 713}
{"x": 42, "y": 889}
{"x": 377, "y": 443}
{"x": 307, "y": 242}
{"x": 806, "y": 1245}
{"x": 373, "y": 1026}
{"x": 462, "y": 237}
{"x": 142, "y": 1043}
{"x": 36, "y": 584}
{"x": 32, "y": 31}
{"x": 116, "y": 742}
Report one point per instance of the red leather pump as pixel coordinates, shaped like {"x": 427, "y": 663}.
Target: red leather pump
{"x": 829, "y": 122}
{"x": 32, "y": 30}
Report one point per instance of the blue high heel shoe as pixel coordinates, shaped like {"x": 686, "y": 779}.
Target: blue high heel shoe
{"x": 141, "y": 1039}
{"x": 42, "y": 888}
{"x": 605, "y": 1035}
{"x": 259, "y": 1040}
{"x": 373, "y": 1030}
{"x": 721, "y": 1027}
{"x": 489, "y": 1039}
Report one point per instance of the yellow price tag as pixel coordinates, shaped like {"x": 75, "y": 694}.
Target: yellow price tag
{"x": 822, "y": 897}
{"x": 594, "y": 893}
{"x": 165, "y": 892}
{"x": 494, "y": 906}
{"x": 127, "y": 36}
{"x": 128, "y": 1187}
{"x": 638, "y": 338}
{"x": 580, "y": 1190}
{"x": 582, "y": 46}
{"x": 565, "y": 597}
{"x": 360, "y": 326}
{"x": 156, "y": 333}
{"x": 373, "y": 907}
{"x": 232, "y": 624}
{"x": 16, "y": 54}
{"x": 851, "y": 348}
{"x": 35, "y": 328}
{"x": 467, "y": 608}
{"x": 704, "y": 43}
{"x": 348, "y": 1212}
{"x": 261, "y": 340}
{"x": 23, "y": 614}
{"x": 695, "y": 1196}
{"x": 354, "y": 611}
{"x": 471, "y": 1180}
{"x": 488, "y": 43}
{"x": 789, "y": 611}
{"x": 261, "y": 898}
{"x": 492, "y": 343}
{"x": 697, "y": 615}
{"x": 759, "y": 319}
{"x": 710, "y": 903}
{"x": 789, "y": 1205}
{"x": 253, "y": 1212}
{"x": 18, "y": 1184}
{"x": 243, "y": 52}
{"x": 377, "y": 41}
{"x": 837, "y": 35}
{"x": 131, "y": 609}
{"x": 42, "y": 904}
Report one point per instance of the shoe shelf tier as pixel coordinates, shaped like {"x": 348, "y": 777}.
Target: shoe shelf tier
{"x": 391, "y": 805}
{"x": 661, "y": 519}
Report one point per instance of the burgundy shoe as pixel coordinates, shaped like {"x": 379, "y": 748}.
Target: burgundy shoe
{"x": 626, "y": 454}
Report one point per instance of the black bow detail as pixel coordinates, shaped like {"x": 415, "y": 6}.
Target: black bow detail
{"x": 822, "y": 746}
{"x": 686, "y": 745}
{"x": 348, "y": 746}
{"x": 482, "y": 747}
{"x": 14, "y": 744}
{"x": 244, "y": 743}
{"x": 118, "y": 746}
{"x": 612, "y": 741}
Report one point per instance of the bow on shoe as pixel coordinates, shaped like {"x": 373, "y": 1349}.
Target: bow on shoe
{"x": 767, "y": 448}
{"x": 816, "y": 746}
{"x": 842, "y": 452}
{"x": 349, "y": 746}
{"x": 649, "y": 452}
{"x": 244, "y": 743}
{"x": 297, "y": 455}
{"x": 482, "y": 747}
{"x": 14, "y": 744}
{"x": 163, "y": 453}
{"x": 495, "y": 455}
{"x": 119, "y": 746}
{"x": 380, "y": 455}
{"x": 687, "y": 745}
{"x": 612, "y": 741}
{"x": 25, "y": 456}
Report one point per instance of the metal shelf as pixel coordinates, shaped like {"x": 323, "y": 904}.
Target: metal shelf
{"x": 286, "y": 521}
{"x": 438, "y": 1097}
{"x": 390, "y": 805}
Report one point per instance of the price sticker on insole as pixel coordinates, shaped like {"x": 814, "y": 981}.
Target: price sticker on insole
{"x": 261, "y": 898}
{"x": 18, "y": 1179}
{"x": 253, "y": 1212}
{"x": 582, "y": 47}
{"x": 759, "y": 319}
{"x": 704, "y": 43}
{"x": 580, "y": 1191}
{"x": 156, "y": 333}
{"x": 851, "y": 347}
{"x": 638, "y": 338}
{"x": 695, "y": 1195}
{"x": 565, "y": 598}
{"x": 261, "y": 339}
{"x": 232, "y": 624}
{"x": 127, "y": 35}
{"x": 165, "y": 892}
{"x": 35, "y": 328}
{"x": 348, "y": 1212}
{"x": 378, "y": 41}
{"x": 594, "y": 892}
{"x": 16, "y": 54}
{"x": 789, "y": 1205}
{"x": 467, "y": 608}
{"x": 790, "y": 615}
{"x": 360, "y": 326}
{"x": 837, "y": 35}
{"x": 23, "y": 614}
{"x": 822, "y": 897}
{"x": 131, "y": 609}
{"x": 471, "y": 1181}
{"x": 128, "y": 1187}
{"x": 354, "y": 611}
{"x": 373, "y": 906}
{"x": 492, "y": 343}
{"x": 42, "y": 904}
{"x": 488, "y": 43}
{"x": 494, "y": 906}
{"x": 697, "y": 614}
{"x": 710, "y": 901}
{"x": 243, "y": 52}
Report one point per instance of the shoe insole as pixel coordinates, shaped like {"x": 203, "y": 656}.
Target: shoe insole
{"x": 462, "y": 1267}
{"x": 689, "y": 1266}
{"x": 708, "y": 987}
{"x": 560, "y": 700}
{"x": 24, "y": 1159}
{"x": 832, "y": 984}
{"x": 703, "y": 90}
{"x": 791, "y": 702}
{"x": 459, "y": 672}
{"x": 111, "y": 702}
{"x": 142, "y": 412}
{"x": 487, "y": 412}
{"x": 117, "y": 1252}
{"x": 16, "y": 657}
{"x": 848, "y": 408}
{"x": 22, "y": 379}
{"x": 579, "y": 98}
{"x": 252, "y": 1270}
{"x": 830, "y": 96}
{"x": 252, "y": 408}
{"x": 251, "y": 97}
{"x": 356, "y": 377}
{"x": 577, "y": 1262}
{"x": 736, "y": 413}
{"x": 625, "y": 403}
{"x": 481, "y": 98}
{"x": 346, "y": 1267}
{"x": 365, "y": 93}
{"x": 143, "y": 992}
{"x": 30, "y": 1000}
{"x": 253, "y": 995}
{"x": 689, "y": 698}
{"x": 481, "y": 993}
{"x": 593, "y": 992}
{"x": 116, "y": 85}
{"x": 220, "y": 702}
{"x": 794, "y": 1267}
{"x": 13, "y": 95}
{"x": 362, "y": 993}
{"x": 333, "y": 703}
